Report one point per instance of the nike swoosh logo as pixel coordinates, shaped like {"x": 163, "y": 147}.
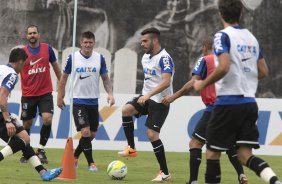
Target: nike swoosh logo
{"x": 165, "y": 178}
{"x": 33, "y": 63}
{"x": 148, "y": 78}
{"x": 80, "y": 77}
{"x": 131, "y": 152}
{"x": 156, "y": 126}
{"x": 243, "y": 60}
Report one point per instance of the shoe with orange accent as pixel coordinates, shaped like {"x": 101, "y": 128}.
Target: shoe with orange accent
{"x": 161, "y": 177}
{"x": 76, "y": 163}
{"x": 128, "y": 152}
{"x": 92, "y": 167}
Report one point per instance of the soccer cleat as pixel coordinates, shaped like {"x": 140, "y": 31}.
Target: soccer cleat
{"x": 162, "y": 177}
{"x": 42, "y": 156}
{"x": 76, "y": 163}
{"x": 92, "y": 167}
{"x": 243, "y": 179}
{"x": 128, "y": 152}
{"x": 23, "y": 160}
{"x": 51, "y": 174}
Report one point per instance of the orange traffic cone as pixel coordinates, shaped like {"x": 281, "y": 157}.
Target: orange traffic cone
{"x": 68, "y": 162}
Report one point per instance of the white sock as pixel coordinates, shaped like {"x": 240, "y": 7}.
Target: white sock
{"x": 267, "y": 174}
{"x": 6, "y": 151}
{"x": 41, "y": 147}
{"x": 34, "y": 161}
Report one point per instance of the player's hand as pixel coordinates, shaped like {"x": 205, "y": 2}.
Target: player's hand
{"x": 142, "y": 99}
{"x": 168, "y": 99}
{"x": 198, "y": 85}
{"x": 11, "y": 129}
{"x": 60, "y": 103}
{"x": 111, "y": 100}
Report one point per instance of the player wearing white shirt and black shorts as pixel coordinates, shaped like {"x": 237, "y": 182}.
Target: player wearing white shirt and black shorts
{"x": 89, "y": 66}
{"x": 239, "y": 64}
{"x": 158, "y": 68}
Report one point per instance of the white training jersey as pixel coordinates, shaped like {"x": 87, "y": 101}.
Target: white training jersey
{"x": 87, "y": 71}
{"x": 8, "y": 77}
{"x": 153, "y": 67}
{"x": 242, "y": 77}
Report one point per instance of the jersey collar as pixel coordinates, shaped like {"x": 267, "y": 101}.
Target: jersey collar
{"x": 9, "y": 65}
{"x": 157, "y": 53}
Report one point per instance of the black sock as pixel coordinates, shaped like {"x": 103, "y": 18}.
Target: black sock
{"x": 78, "y": 150}
{"x": 28, "y": 152}
{"x": 87, "y": 149}
{"x": 273, "y": 180}
{"x": 232, "y": 155}
{"x": 128, "y": 127}
{"x": 213, "y": 173}
{"x": 160, "y": 154}
{"x": 16, "y": 144}
{"x": 195, "y": 161}
{"x": 44, "y": 134}
{"x": 40, "y": 168}
{"x": 256, "y": 164}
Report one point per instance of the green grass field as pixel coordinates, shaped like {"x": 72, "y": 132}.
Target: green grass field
{"x": 140, "y": 169}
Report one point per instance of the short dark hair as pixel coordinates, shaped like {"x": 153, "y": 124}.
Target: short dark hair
{"x": 208, "y": 42}
{"x": 230, "y": 10}
{"x": 17, "y": 54}
{"x": 88, "y": 35}
{"x": 32, "y": 25}
{"x": 151, "y": 30}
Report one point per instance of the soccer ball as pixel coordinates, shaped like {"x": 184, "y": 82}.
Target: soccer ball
{"x": 117, "y": 170}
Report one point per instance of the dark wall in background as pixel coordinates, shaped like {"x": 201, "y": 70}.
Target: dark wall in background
{"x": 117, "y": 24}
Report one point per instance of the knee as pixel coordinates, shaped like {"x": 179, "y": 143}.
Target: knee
{"x": 27, "y": 140}
{"x": 212, "y": 155}
{"x": 152, "y": 135}
{"x": 127, "y": 110}
{"x": 24, "y": 136}
{"x": 194, "y": 143}
{"x": 47, "y": 119}
{"x": 244, "y": 154}
{"x": 242, "y": 158}
{"x": 85, "y": 132}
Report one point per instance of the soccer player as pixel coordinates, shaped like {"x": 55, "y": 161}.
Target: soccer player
{"x": 203, "y": 68}
{"x": 158, "y": 70}
{"x": 89, "y": 66}
{"x": 37, "y": 87}
{"x": 10, "y": 129}
{"x": 240, "y": 64}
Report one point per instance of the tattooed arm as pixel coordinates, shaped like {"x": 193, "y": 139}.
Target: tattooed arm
{"x": 108, "y": 88}
{"x": 4, "y": 93}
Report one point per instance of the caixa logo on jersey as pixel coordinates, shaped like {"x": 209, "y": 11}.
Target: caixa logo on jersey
{"x": 263, "y": 123}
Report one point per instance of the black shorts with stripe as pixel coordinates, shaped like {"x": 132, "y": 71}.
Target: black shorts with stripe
{"x": 157, "y": 113}
{"x": 199, "y": 132}
{"x": 44, "y": 103}
{"x": 86, "y": 116}
{"x": 233, "y": 125}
